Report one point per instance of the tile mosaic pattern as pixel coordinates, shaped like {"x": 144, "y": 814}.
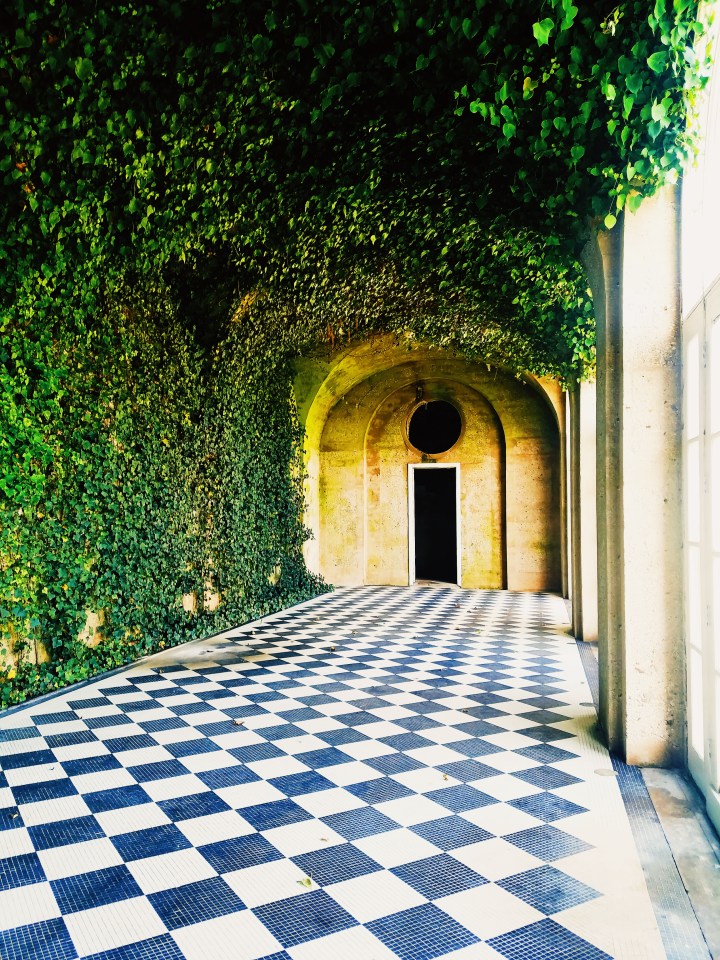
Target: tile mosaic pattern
{"x": 376, "y": 774}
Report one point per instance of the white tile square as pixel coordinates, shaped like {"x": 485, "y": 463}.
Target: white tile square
{"x": 501, "y": 818}
{"x": 127, "y": 819}
{"x": 171, "y": 787}
{"x": 177, "y": 735}
{"x": 35, "y": 774}
{"x": 298, "y": 745}
{"x": 425, "y": 779}
{"x": 354, "y": 771}
{"x": 488, "y": 911}
{"x": 16, "y": 842}
{"x": 322, "y": 803}
{"x": 135, "y": 758}
{"x": 277, "y": 767}
{"x": 227, "y": 938}
{"x": 366, "y": 749}
{"x": 28, "y": 904}
{"x": 49, "y": 811}
{"x": 214, "y": 827}
{"x": 297, "y": 838}
{"x": 508, "y": 762}
{"x": 510, "y": 740}
{"x": 212, "y": 760}
{"x": 118, "y": 732}
{"x": 169, "y": 870}
{"x": 394, "y": 847}
{"x": 375, "y": 895}
{"x": 80, "y": 751}
{"x": 383, "y": 728}
{"x": 407, "y": 811}
{"x": 67, "y": 861}
{"x": 249, "y": 794}
{"x": 357, "y": 943}
{"x": 434, "y": 756}
{"x": 113, "y": 925}
{"x": 267, "y": 882}
{"x": 505, "y": 787}
{"x": 103, "y": 780}
{"x": 496, "y": 859}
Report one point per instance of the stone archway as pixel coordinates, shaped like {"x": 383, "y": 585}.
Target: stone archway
{"x": 355, "y": 411}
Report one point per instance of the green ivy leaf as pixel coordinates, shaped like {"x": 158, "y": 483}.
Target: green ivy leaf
{"x": 542, "y": 30}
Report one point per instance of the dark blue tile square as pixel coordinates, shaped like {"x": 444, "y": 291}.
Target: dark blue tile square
{"x": 47, "y": 939}
{"x": 162, "y": 947}
{"x": 416, "y": 723}
{"x": 422, "y": 933}
{"x": 438, "y": 876}
{"x": 548, "y": 890}
{"x": 240, "y": 852}
{"x": 547, "y": 842}
{"x": 10, "y": 819}
{"x": 407, "y": 741}
{"x": 160, "y": 770}
{"x": 256, "y": 751}
{"x": 86, "y": 890}
{"x": 357, "y": 718}
{"x": 13, "y": 734}
{"x": 546, "y": 753}
{"x": 195, "y": 805}
{"x": 544, "y": 734}
{"x": 363, "y": 822}
{"x": 55, "y": 740}
{"x": 333, "y": 864}
{"x": 115, "y": 798}
{"x": 227, "y": 777}
{"x": 61, "y": 716}
{"x": 460, "y": 798}
{"x": 138, "y": 741}
{"x": 150, "y": 842}
{"x": 164, "y": 723}
{"x": 303, "y": 918}
{"x": 77, "y": 768}
{"x": 281, "y": 731}
{"x": 279, "y": 813}
{"x": 20, "y": 871}
{"x": 191, "y": 748}
{"x": 44, "y": 790}
{"x": 545, "y": 940}
{"x": 338, "y": 737}
{"x": 34, "y": 758}
{"x": 479, "y": 728}
{"x": 449, "y": 833}
{"x": 378, "y": 791}
{"x": 547, "y": 806}
{"x": 393, "y": 763}
{"x": 189, "y": 709}
{"x": 300, "y": 714}
{"x": 467, "y": 770}
{"x": 328, "y": 757}
{"x": 63, "y": 832}
{"x": 547, "y": 778}
{"x": 195, "y": 902}
{"x": 296, "y": 784}
{"x": 107, "y": 720}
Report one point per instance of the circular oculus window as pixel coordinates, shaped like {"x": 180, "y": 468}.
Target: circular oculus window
{"x": 434, "y": 427}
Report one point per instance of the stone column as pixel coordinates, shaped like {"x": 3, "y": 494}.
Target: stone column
{"x": 640, "y": 613}
{"x": 588, "y": 511}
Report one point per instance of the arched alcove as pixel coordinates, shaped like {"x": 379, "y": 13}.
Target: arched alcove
{"x": 356, "y": 412}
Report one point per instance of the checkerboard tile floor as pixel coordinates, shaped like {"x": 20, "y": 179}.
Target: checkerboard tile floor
{"x": 379, "y": 773}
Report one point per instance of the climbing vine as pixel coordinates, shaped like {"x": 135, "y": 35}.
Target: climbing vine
{"x": 196, "y": 192}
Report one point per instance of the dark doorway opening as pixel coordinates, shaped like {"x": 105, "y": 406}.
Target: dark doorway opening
{"x": 435, "y": 524}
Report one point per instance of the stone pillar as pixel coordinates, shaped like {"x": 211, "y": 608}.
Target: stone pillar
{"x": 576, "y": 526}
{"x": 588, "y": 511}
{"x": 640, "y": 611}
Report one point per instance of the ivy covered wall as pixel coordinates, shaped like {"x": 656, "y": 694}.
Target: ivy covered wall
{"x": 194, "y": 193}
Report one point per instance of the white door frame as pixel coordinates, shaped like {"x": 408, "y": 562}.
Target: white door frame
{"x": 412, "y": 467}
